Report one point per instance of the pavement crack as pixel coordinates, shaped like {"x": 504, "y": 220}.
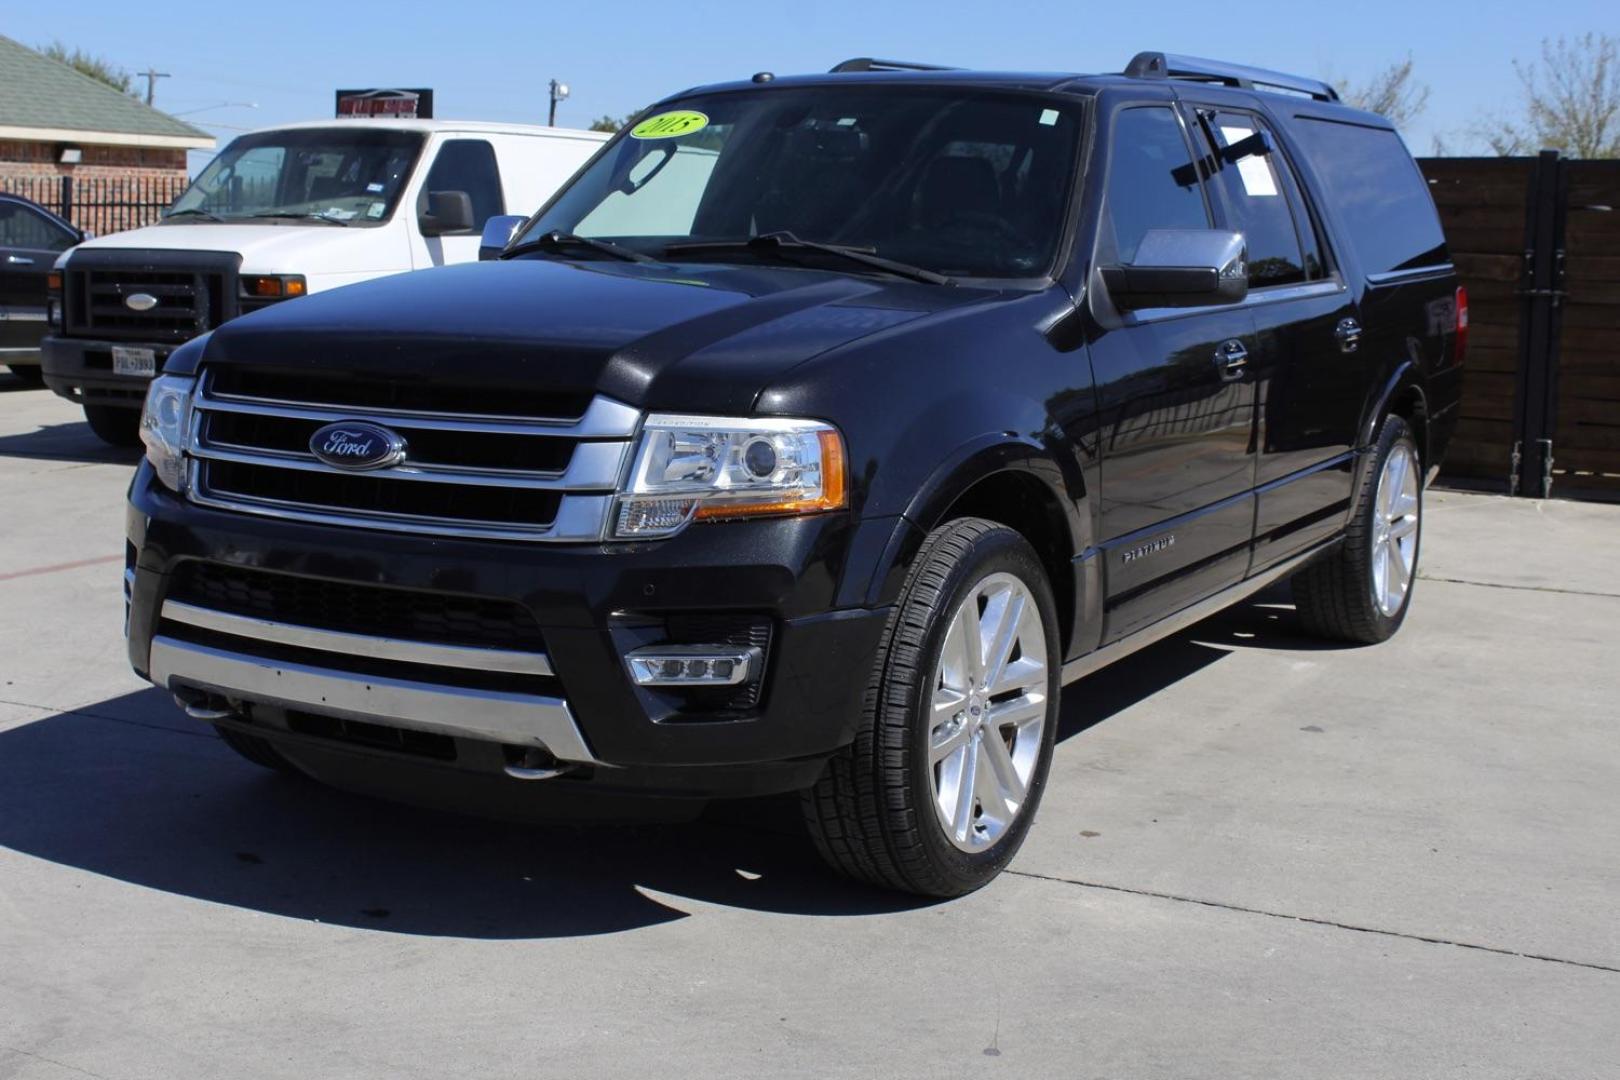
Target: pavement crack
{"x": 1334, "y": 923}
{"x": 1519, "y": 588}
{"x": 52, "y": 1061}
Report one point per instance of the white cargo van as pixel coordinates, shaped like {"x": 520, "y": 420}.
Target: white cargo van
{"x": 281, "y": 213}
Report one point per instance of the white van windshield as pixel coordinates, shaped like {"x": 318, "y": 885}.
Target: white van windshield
{"x": 344, "y": 176}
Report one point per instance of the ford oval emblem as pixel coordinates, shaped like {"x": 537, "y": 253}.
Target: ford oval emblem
{"x": 357, "y": 446}
{"x": 140, "y": 301}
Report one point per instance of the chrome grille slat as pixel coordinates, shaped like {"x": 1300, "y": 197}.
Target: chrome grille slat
{"x": 233, "y": 474}
{"x": 595, "y": 467}
{"x": 604, "y": 419}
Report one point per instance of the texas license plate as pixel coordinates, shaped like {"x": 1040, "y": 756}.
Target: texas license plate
{"x": 132, "y": 361}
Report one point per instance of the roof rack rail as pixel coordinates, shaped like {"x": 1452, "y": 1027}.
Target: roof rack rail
{"x": 867, "y": 63}
{"x": 1157, "y": 65}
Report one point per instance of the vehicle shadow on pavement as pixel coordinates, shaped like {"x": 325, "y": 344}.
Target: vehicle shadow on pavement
{"x": 71, "y": 442}
{"x": 130, "y": 789}
{"x": 1264, "y": 621}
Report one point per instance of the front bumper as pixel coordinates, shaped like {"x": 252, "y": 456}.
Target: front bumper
{"x": 592, "y": 603}
{"x": 81, "y": 370}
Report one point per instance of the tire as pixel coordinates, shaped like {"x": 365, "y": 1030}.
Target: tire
{"x": 256, "y": 750}
{"x": 30, "y": 374}
{"x": 1346, "y": 596}
{"x": 875, "y": 814}
{"x": 114, "y": 425}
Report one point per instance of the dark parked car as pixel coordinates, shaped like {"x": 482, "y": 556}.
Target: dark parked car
{"x": 31, "y": 237}
{"x": 811, "y": 439}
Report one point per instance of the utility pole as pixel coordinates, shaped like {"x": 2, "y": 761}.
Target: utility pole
{"x": 151, "y": 75}
{"x": 559, "y": 92}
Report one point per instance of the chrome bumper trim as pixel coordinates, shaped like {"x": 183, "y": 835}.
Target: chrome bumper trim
{"x": 492, "y": 715}
{"x": 510, "y": 661}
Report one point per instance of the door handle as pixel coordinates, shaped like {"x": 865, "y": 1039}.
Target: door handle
{"x": 1349, "y": 334}
{"x": 19, "y": 260}
{"x": 1231, "y": 357}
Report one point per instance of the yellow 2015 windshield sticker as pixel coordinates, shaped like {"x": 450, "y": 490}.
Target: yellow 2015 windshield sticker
{"x": 669, "y": 125}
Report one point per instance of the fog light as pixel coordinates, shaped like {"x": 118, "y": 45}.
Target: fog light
{"x": 693, "y": 665}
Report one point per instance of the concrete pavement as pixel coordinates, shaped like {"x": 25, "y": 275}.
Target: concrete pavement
{"x": 1258, "y": 857}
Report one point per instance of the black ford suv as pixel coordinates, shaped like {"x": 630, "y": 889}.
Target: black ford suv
{"x": 811, "y": 439}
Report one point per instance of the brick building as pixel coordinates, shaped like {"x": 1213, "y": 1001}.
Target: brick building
{"x": 106, "y": 159}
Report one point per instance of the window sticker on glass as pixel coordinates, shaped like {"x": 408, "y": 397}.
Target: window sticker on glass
{"x": 1255, "y": 171}
{"x": 670, "y": 125}
{"x": 1049, "y": 117}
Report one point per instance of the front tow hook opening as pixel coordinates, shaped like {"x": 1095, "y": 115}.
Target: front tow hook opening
{"x": 534, "y": 763}
{"x": 201, "y": 705}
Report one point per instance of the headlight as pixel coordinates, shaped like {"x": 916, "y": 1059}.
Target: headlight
{"x": 709, "y": 467}
{"x": 164, "y": 423}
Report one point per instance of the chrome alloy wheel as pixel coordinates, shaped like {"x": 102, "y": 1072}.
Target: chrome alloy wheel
{"x": 1395, "y": 530}
{"x": 987, "y": 712}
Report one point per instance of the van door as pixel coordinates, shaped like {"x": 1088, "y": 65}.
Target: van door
{"x": 465, "y": 164}
{"x": 1309, "y": 374}
{"x": 1176, "y": 407}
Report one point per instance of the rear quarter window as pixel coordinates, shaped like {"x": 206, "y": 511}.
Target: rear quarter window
{"x": 1380, "y": 195}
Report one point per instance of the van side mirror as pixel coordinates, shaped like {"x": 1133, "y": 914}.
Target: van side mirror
{"x": 447, "y": 212}
{"x": 498, "y": 232}
{"x": 1182, "y": 268}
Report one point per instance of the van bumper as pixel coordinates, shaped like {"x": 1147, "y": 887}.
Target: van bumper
{"x": 81, "y": 370}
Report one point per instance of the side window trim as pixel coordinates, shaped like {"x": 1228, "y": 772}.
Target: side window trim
{"x": 1111, "y": 127}
{"x": 1300, "y": 212}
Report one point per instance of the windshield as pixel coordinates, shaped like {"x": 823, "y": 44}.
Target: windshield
{"x": 966, "y": 183}
{"x": 346, "y": 174}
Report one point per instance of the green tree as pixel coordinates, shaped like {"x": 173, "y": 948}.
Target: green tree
{"x": 607, "y": 123}
{"x": 98, "y": 68}
{"x": 1571, "y": 101}
{"x": 1392, "y": 93}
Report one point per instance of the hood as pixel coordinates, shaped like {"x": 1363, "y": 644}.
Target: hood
{"x": 677, "y": 336}
{"x": 268, "y": 248}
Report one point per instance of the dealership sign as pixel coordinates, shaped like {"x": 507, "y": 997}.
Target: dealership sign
{"x": 414, "y": 104}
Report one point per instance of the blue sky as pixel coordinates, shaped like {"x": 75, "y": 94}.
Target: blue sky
{"x": 492, "y": 60}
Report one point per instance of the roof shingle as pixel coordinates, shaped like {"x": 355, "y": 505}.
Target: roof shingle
{"x": 36, "y": 91}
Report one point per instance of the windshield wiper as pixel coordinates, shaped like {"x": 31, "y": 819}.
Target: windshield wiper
{"x": 555, "y": 240}
{"x": 192, "y": 210}
{"x": 784, "y": 241}
{"x": 301, "y": 216}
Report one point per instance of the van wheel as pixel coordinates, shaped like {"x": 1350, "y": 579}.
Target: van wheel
{"x": 114, "y": 425}
{"x": 1362, "y": 591}
{"x": 30, "y": 374}
{"x": 937, "y": 791}
{"x": 257, "y": 750}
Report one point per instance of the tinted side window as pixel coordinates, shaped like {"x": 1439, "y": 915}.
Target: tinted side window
{"x": 1151, "y": 181}
{"x": 1258, "y": 189}
{"x": 22, "y": 228}
{"x": 1378, "y": 191}
{"x": 469, "y": 165}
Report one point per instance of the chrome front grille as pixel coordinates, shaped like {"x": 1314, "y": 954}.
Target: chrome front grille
{"x": 472, "y": 467}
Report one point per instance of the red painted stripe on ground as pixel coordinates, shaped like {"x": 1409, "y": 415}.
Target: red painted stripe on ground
{"x": 98, "y": 561}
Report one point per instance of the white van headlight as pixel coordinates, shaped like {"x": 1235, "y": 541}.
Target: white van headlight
{"x": 164, "y": 423}
{"x": 691, "y": 468}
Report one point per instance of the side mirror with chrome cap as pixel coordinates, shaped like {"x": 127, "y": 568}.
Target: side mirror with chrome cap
{"x": 498, "y": 232}
{"x": 1181, "y": 268}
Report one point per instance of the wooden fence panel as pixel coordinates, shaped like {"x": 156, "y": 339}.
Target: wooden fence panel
{"x": 1586, "y": 438}
{"x": 1482, "y": 205}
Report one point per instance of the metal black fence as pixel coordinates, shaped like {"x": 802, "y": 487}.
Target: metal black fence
{"x": 100, "y": 204}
